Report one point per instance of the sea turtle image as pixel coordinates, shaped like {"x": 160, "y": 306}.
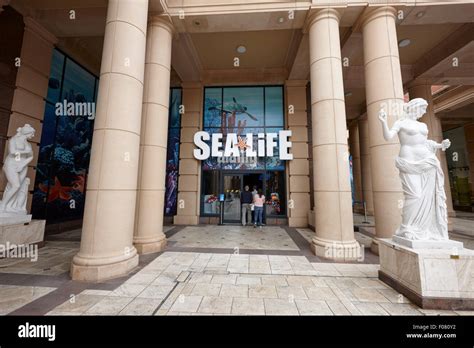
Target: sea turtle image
{"x": 233, "y": 108}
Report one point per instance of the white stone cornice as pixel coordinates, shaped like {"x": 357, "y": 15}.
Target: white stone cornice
{"x": 454, "y": 98}
{"x": 38, "y": 29}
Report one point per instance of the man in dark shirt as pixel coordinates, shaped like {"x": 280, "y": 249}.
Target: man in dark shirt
{"x": 246, "y": 199}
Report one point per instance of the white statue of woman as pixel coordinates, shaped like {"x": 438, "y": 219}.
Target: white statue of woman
{"x": 20, "y": 154}
{"x": 424, "y": 214}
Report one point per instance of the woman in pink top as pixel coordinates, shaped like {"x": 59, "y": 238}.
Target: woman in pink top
{"x": 258, "y": 201}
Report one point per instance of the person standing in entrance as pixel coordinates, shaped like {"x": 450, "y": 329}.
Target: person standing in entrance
{"x": 246, "y": 198}
{"x": 254, "y": 192}
{"x": 258, "y": 201}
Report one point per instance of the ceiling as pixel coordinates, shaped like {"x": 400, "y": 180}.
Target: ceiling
{"x": 458, "y": 117}
{"x": 62, "y": 4}
{"x": 204, "y": 46}
{"x": 423, "y": 38}
{"x": 271, "y": 20}
{"x": 265, "y": 49}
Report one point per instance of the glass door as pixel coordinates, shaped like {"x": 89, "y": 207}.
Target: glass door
{"x": 232, "y": 184}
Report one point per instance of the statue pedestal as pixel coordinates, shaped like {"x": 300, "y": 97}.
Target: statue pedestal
{"x": 22, "y": 234}
{"x": 7, "y": 219}
{"x": 428, "y": 244}
{"x": 431, "y": 278}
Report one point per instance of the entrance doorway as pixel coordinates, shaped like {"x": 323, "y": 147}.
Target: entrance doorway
{"x": 233, "y": 185}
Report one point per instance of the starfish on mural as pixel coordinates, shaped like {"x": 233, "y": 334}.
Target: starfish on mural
{"x": 242, "y": 144}
{"x": 57, "y": 191}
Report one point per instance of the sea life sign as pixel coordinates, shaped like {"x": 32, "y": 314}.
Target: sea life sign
{"x": 235, "y": 145}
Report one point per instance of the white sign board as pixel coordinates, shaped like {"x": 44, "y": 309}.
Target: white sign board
{"x": 235, "y": 145}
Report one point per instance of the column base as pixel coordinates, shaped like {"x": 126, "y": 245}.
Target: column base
{"x": 337, "y": 250}
{"x": 374, "y": 247}
{"x": 186, "y": 220}
{"x": 82, "y": 271}
{"x": 298, "y": 221}
{"x": 149, "y": 247}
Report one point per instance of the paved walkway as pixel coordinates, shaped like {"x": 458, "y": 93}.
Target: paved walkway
{"x": 178, "y": 283}
{"x": 207, "y": 270}
{"x": 463, "y": 228}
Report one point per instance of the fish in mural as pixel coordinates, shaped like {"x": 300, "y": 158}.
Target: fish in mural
{"x": 80, "y": 183}
{"x": 233, "y": 107}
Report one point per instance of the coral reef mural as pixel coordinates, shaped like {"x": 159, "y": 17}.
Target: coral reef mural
{"x": 64, "y": 155}
{"x": 172, "y": 160}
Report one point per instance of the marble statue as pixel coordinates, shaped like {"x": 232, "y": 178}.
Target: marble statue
{"x": 424, "y": 215}
{"x": 19, "y": 155}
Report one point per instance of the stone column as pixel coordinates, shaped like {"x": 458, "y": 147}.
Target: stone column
{"x": 422, "y": 89}
{"x": 332, "y": 191}
{"x": 149, "y": 236}
{"x": 365, "y": 165}
{"x": 298, "y": 170}
{"x": 384, "y": 88}
{"x": 31, "y": 88}
{"x": 354, "y": 150}
{"x": 469, "y": 137}
{"x": 189, "y": 168}
{"x": 109, "y": 217}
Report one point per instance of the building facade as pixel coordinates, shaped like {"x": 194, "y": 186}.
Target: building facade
{"x": 150, "y": 75}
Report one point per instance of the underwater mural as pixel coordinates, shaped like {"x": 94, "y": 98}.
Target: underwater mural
{"x": 172, "y": 160}
{"x": 64, "y": 155}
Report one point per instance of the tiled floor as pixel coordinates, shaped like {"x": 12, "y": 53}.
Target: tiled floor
{"x": 13, "y": 297}
{"x": 53, "y": 259}
{"x": 180, "y": 283}
{"x": 213, "y": 236}
{"x": 208, "y": 270}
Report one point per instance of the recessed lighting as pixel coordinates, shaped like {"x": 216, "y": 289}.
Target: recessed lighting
{"x": 420, "y": 14}
{"x": 404, "y": 43}
{"x": 241, "y": 49}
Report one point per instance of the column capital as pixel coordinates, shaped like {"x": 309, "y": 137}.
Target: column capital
{"x": 161, "y": 21}
{"x": 38, "y": 29}
{"x": 377, "y": 12}
{"x": 317, "y": 15}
